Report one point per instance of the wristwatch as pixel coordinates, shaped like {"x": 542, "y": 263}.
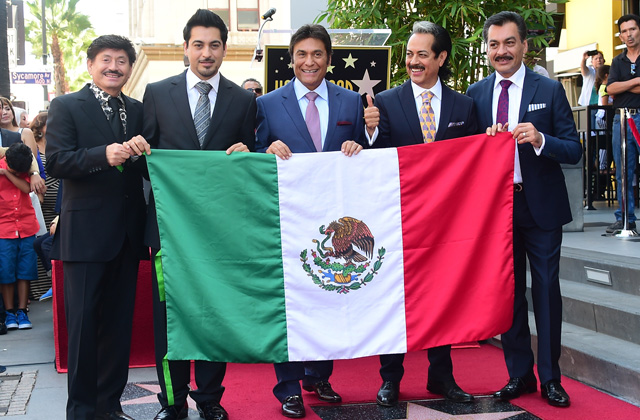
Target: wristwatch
{"x": 34, "y": 173}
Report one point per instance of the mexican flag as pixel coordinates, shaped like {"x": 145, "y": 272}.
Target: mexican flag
{"x": 324, "y": 256}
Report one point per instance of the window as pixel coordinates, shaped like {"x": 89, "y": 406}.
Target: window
{"x": 248, "y": 15}
{"x": 221, "y": 8}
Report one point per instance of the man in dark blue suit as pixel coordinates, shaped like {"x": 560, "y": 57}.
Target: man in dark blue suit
{"x": 538, "y": 114}
{"x": 308, "y": 115}
{"x": 394, "y": 121}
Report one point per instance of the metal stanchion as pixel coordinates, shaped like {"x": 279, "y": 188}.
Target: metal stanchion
{"x": 625, "y": 232}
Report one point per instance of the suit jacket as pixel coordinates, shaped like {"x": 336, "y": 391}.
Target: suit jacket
{"x": 168, "y": 124}
{"x": 545, "y": 105}
{"x": 100, "y": 205}
{"x": 279, "y": 118}
{"x": 399, "y": 123}
{"x": 9, "y": 137}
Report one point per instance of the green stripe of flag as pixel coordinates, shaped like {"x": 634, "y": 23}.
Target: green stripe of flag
{"x": 203, "y": 199}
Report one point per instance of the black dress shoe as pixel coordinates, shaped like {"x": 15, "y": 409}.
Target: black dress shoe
{"x": 450, "y": 390}
{"x": 293, "y": 407}
{"x": 555, "y": 394}
{"x": 388, "y": 394}
{"x": 324, "y": 391}
{"x": 116, "y": 415}
{"x": 212, "y": 410}
{"x": 172, "y": 413}
{"x": 516, "y": 387}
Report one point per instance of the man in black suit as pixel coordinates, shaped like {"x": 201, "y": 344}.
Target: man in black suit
{"x": 535, "y": 109}
{"x": 198, "y": 109}
{"x": 421, "y": 110}
{"x": 100, "y": 233}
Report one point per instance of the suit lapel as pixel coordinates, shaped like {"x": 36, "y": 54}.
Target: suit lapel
{"x": 178, "y": 94}
{"x": 446, "y": 107}
{"x": 224, "y": 98}
{"x": 92, "y": 109}
{"x": 408, "y": 103}
{"x": 133, "y": 117}
{"x": 528, "y": 90}
{"x": 485, "y": 108}
{"x": 290, "y": 104}
{"x": 334, "y": 111}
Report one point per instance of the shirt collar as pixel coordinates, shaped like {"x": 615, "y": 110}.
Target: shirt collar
{"x": 103, "y": 98}
{"x": 302, "y": 90}
{"x": 192, "y": 80}
{"x": 435, "y": 89}
{"x": 516, "y": 78}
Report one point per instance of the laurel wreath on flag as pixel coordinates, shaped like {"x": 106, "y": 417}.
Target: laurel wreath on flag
{"x": 344, "y": 271}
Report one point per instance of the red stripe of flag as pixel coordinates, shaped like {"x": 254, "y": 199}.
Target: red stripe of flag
{"x": 458, "y": 275}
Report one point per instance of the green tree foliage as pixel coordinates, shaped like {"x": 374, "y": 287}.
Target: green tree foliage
{"x": 463, "y": 19}
{"x": 69, "y": 34}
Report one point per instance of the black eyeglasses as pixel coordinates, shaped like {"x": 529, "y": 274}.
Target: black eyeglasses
{"x": 633, "y": 68}
{"x": 259, "y": 90}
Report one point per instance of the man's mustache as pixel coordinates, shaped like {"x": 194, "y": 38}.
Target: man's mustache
{"x": 113, "y": 73}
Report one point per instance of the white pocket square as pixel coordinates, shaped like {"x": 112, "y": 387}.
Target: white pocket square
{"x": 535, "y": 107}
{"x": 455, "y": 123}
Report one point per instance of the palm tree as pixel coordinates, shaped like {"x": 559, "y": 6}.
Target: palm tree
{"x": 68, "y": 34}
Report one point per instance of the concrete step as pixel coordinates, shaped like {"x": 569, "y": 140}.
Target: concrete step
{"x": 601, "y": 310}
{"x": 598, "y": 360}
{"x": 604, "y": 268}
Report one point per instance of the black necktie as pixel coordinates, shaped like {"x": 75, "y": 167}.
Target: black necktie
{"x": 114, "y": 119}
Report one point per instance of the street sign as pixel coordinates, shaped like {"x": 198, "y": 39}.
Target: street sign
{"x": 12, "y": 45}
{"x": 31, "y": 77}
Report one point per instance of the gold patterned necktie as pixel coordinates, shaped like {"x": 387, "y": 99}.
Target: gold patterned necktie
{"x": 427, "y": 118}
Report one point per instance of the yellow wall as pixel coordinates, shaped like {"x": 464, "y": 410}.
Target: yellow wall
{"x": 589, "y": 21}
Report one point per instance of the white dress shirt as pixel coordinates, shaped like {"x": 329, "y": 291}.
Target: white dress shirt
{"x": 193, "y": 93}
{"x": 515, "y": 98}
{"x": 322, "y": 103}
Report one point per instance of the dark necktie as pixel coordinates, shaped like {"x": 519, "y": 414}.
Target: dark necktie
{"x": 114, "y": 119}
{"x": 312, "y": 118}
{"x": 502, "y": 116}
{"x": 202, "y": 114}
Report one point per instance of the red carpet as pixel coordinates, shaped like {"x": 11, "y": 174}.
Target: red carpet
{"x": 479, "y": 371}
{"x": 142, "y": 334}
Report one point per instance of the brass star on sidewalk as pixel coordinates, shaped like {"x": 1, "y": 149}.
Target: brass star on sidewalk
{"x": 350, "y": 61}
{"x": 152, "y": 398}
{"x": 366, "y": 85}
{"x": 418, "y": 412}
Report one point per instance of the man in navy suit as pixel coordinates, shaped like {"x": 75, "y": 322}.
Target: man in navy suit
{"x": 540, "y": 119}
{"x": 395, "y": 121}
{"x": 172, "y": 118}
{"x": 99, "y": 237}
{"x": 285, "y": 127}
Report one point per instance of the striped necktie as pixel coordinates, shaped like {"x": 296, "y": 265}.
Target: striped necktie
{"x": 203, "y": 111}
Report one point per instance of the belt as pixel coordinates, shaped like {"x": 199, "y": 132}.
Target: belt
{"x": 517, "y": 187}
{"x": 633, "y": 111}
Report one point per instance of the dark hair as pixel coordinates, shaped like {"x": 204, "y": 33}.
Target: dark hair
{"x": 601, "y": 72}
{"x": 38, "y": 124}
{"x": 4, "y": 102}
{"x": 251, "y": 79}
{"x": 19, "y": 157}
{"x": 113, "y": 42}
{"x": 318, "y": 32}
{"x": 499, "y": 19}
{"x": 441, "y": 42}
{"x": 626, "y": 18}
{"x": 208, "y": 19}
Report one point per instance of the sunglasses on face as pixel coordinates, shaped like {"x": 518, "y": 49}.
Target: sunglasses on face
{"x": 255, "y": 90}
{"x": 633, "y": 68}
